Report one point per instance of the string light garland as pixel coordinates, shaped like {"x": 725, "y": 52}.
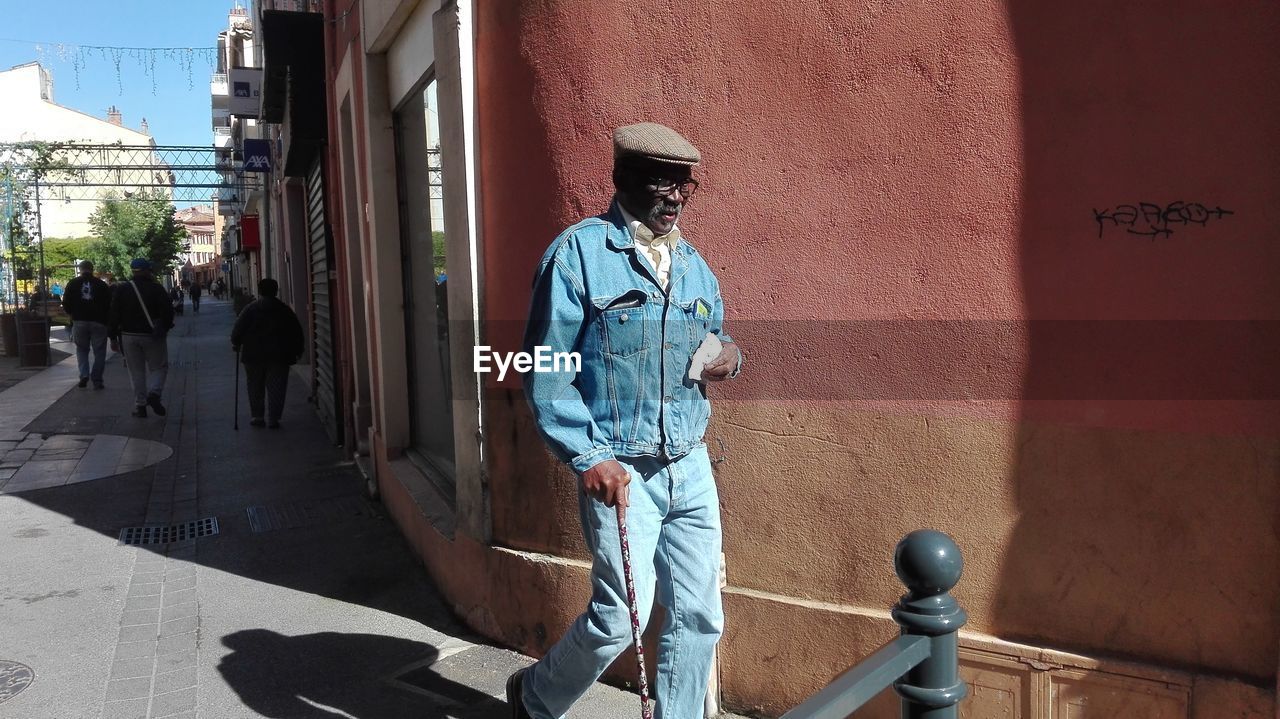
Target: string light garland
{"x": 78, "y": 56}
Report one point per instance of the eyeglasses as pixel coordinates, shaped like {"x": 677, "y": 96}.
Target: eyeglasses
{"x": 665, "y": 186}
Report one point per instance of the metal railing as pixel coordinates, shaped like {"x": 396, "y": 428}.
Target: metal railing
{"x": 923, "y": 664}
{"x": 186, "y": 173}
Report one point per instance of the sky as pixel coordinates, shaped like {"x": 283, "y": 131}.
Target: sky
{"x": 176, "y": 105}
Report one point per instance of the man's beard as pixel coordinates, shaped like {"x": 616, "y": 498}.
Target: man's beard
{"x": 655, "y": 212}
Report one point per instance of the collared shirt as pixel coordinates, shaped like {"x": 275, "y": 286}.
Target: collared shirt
{"x": 657, "y": 250}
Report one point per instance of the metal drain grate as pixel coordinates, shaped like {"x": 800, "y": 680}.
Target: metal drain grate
{"x": 344, "y": 470}
{"x": 302, "y": 514}
{"x": 168, "y": 533}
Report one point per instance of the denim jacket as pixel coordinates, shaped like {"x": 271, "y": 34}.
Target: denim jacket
{"x": 594, "y": 295}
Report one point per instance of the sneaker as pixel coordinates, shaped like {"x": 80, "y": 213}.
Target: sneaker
{"x": 99, "y": 385}
{"x": 273, "y": 424}
{"x": 84, "y": 382}
{"x": 515, "y": 692}
{"x": 140, "y": 411}
{"x": 153, "y": 400}
{"x": 256, "y": 422}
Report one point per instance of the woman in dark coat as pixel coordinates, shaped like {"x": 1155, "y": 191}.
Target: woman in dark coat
{"x": 268, "y": 337}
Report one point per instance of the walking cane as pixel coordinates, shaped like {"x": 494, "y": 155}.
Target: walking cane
{"x": 645, "y": 711}
{"x": 236, "y": 422}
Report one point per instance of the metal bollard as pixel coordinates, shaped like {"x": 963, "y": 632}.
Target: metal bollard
{"x": 923, "y": 663}
{"x": 929, "y": 563}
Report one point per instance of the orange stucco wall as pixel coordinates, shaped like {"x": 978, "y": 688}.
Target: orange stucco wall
{"x": 896, "y": 198}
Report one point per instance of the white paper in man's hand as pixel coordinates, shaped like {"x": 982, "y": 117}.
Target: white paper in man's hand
{"x": 706, "y": 352}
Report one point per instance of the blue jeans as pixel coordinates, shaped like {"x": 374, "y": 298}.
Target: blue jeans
{"x": 90, "y": 335}
{"x": 673, "y": 526}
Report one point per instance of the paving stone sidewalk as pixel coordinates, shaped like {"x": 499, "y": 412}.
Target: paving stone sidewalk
{"x": 12, "y": 372}
{"x": 266, "y": 586}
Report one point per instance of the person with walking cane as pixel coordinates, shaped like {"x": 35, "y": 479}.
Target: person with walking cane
{"x": 631, "y": 297}
{"x": 235, "y": 405}
{"x": 267, "y": 338}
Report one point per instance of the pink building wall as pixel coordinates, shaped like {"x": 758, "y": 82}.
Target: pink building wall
{"x": 897, "y": 199}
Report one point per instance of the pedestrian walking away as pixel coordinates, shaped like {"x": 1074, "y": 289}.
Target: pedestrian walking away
{"x": 175, "y": 298}
{"x": 641, "y": 309}
{"x": 268, "y": 338}
{"x": 141, "y": 318}
{"x": 87, "y": 300}
{"x": 195, "y": 291}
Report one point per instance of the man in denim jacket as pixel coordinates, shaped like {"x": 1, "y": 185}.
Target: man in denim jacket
{"x": 635, "y": 301}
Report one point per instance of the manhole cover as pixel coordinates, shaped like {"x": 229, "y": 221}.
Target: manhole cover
{"x": 14, "y": 677}
{"x": 167, "y": 533}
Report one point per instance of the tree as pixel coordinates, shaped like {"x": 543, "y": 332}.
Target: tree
{"x": 17, "y": 253}
{"x": 61, "y": 256}
{"x": 141, "y": 225}
{"x": 23, "y": 166}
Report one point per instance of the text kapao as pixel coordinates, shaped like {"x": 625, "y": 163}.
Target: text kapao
{"x": 542, "y": 360}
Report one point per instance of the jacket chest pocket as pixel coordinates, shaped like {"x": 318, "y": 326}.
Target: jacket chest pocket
{"x": 696, "y": 317}
{"x": 622, "y": 322}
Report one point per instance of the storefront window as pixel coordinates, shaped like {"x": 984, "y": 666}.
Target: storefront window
{"x": 423, "y": 242}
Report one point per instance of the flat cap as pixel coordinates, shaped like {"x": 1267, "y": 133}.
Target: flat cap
{"x": 140, "y": 264}
{"x": 655, "y": 142}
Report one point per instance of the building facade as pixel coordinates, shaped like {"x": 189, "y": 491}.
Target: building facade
{"x": 234, "y": 102}
{"x": 984, "y": 267}
{"x": 203, "y": 259}
{"x": 32, "y": 115}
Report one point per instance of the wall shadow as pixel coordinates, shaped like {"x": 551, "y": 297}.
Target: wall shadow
{"x": 533, "y": 498}
{"x": 1146, "y": 467}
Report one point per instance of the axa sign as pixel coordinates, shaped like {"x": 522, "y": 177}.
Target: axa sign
{"x": 246, "y": 91}
{"x": 257, "y": 156}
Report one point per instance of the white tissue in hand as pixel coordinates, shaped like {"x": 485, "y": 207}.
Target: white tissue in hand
{"x": 706, "y": 352}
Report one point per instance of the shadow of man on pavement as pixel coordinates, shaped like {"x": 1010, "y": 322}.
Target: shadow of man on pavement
{"x": 332, "y": 674}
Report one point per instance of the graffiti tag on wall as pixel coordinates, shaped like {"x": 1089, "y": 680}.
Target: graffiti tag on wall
{"x": 1152, "y": 220}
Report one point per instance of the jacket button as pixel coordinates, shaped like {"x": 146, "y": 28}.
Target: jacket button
{"x": 668, "y": 345}
{"x": 624, "y": 317}
{"x": 668, "y": 399}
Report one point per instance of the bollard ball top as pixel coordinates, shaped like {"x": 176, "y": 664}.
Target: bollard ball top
{"x": 928, "y": 562}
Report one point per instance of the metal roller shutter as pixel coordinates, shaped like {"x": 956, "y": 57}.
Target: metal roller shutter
{"x": 326, "y": 382}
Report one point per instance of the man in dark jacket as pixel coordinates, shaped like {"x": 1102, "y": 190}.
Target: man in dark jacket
{"x": 268, "y": 337}
{"x": 175, "y": 299}
{"x": 87, "y": 301}
{"x": 141, "y": 318}
{"x": 195, "y": 291}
